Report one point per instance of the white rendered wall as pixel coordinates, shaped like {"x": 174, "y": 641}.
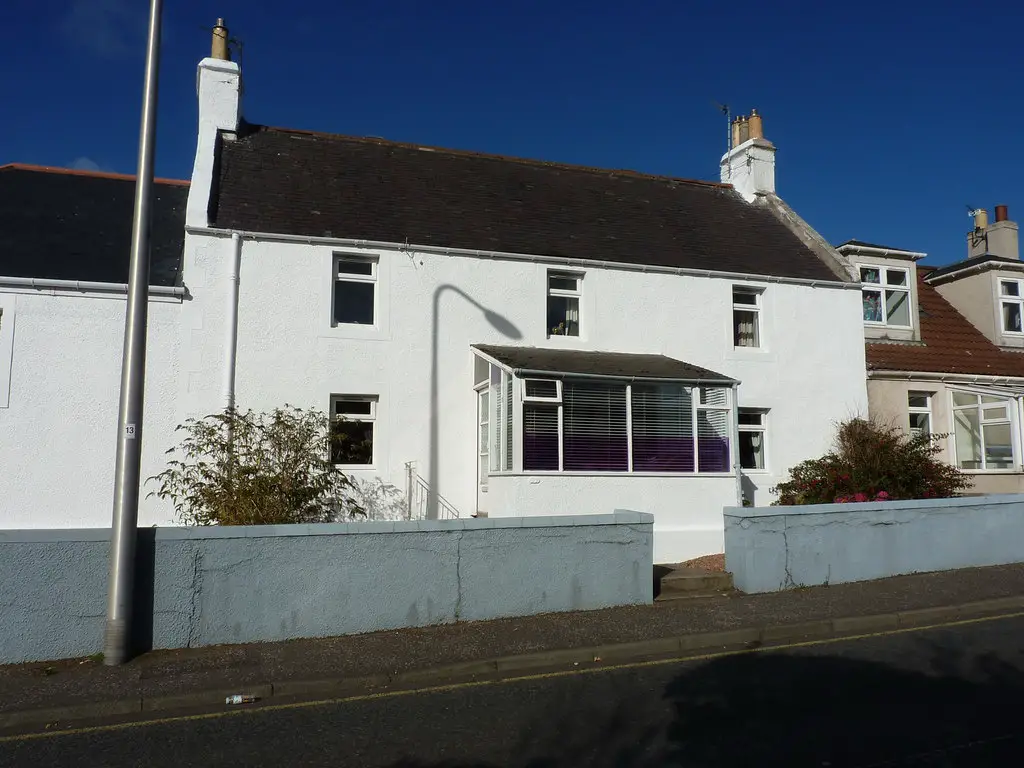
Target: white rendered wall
{"x": 810, "y": 374}
{"x": 58, "y": 432}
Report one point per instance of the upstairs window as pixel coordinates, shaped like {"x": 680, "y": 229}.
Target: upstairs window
{"x": 983, "y": 431}
{"x": 919, "y": 405}
{"x": 746, "y": 317}
{"x": 355, "y": 291}
{"x": 886, "y": 296}
{"x": 564, "y": 293}
{"x": 352, "y": 427}
{"x": 1011, "y": 299}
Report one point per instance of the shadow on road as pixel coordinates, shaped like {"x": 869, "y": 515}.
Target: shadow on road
{"x": 947, "y": 707}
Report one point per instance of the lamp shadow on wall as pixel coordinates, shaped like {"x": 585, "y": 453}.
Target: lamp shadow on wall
{"x": 502, "y": 325}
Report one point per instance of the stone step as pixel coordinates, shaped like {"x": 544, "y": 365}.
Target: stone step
{"x": 680, "y": 583}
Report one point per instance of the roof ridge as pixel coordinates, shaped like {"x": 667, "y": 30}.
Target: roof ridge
{"x": 493, "y": 156}
{"x": 91, "y": 174}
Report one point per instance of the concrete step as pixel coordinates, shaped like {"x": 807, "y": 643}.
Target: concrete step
{"x": 678, "y": 583}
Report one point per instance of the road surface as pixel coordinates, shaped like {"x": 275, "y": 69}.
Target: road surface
{"x": 940, "y": 697}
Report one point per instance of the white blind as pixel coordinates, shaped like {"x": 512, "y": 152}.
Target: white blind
{"x": 497, "y": 418}
{"x": 662, "y": 428}
{"x": 594, "y": 427}
{"x": 713, "y": 431}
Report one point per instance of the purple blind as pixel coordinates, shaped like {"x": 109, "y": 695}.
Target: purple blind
{"x": 662, "y": 428}
{"x": 540, "y": 437}
{"x": 594, "y": 427}
{"x": 713, "y": 440}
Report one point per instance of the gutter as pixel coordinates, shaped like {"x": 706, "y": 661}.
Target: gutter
{"x": 946, "y": 377}
{"x": 507, "y": 256}
{"x": 85, "y": 285}
{"x": 530, "y": 372}
{"x": 982, "y": 267}
{"x": 882, "y": 252}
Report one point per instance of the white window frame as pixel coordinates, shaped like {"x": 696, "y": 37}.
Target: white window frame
{"x": 534, "y": 398}
{"x": 881, "y": 287}
{"x": 755, "y": 308}
{"x": 696, "y": 407}
{"x": 564, "y": 293}
{"x": 761, "y": 429}
{"x": 1012, "y": 409}
{"x": 502, "y": 448}
{"x": 371, "y": 418}
{"x": 926, "y": 410}
{"x": 347, "y": 277}
{"x": 1017, "y": 300}
{"x": 7, "y": 317}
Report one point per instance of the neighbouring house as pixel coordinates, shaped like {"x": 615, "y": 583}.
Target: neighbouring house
{"x": 65, "y": 239}
{"x": 944, "y": 348}
{"x": 498, "y": 336}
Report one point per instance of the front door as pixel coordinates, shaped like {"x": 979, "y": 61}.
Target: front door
{"x": 483, "y": 416}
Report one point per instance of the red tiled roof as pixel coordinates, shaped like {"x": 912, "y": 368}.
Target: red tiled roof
{"x": 950, "y": 343}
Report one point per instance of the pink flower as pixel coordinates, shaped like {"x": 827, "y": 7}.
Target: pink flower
{"x": 860, "y": 497}
{"x": 842, "y": 499}
{"x": 882, "y": 496}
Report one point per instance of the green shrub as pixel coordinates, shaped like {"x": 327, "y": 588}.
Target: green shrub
{"x": 873, "y": 462}
{"x": 246, "y": 468}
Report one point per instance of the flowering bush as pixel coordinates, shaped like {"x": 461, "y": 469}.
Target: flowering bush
{"x": 872, "y": 462}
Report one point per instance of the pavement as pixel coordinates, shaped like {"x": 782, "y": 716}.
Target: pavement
{"x": 60, "y": 693}
{"x": 941, "y": 696}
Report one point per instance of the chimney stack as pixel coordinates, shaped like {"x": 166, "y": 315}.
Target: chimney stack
{"x": 1000, "y": 238}
{"x": 750, "y": 165}
{"x": 219, "y": 49}
{"x": 219, "y": 88}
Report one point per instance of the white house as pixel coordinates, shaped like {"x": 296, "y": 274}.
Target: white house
{"x": 504, "y": 336}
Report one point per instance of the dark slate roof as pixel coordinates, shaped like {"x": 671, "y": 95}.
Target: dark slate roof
{"x": 974, "y": 261}
{"x": 298, "y": 183}
{"x": 576, "y": 362}
{"x": 76, "y": 225}
{"x": 949, "y": 342}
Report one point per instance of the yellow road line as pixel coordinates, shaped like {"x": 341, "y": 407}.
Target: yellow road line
{"x": 500, "y": 681}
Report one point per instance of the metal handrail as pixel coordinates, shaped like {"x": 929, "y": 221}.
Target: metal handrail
{"x": 417, "y": 492}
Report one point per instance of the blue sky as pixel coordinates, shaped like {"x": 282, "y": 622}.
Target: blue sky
{"x": 890, "y": 118}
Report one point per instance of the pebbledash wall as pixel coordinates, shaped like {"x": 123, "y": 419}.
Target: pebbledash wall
{"x": 808, "y": 375}
{"x": 207, "y": 586}
{"x": 776, "y": 548}
{"x": 58, "y": 418}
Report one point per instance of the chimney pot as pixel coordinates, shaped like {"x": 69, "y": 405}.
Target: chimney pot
{"x": 756, "y": 126}
{"x": 219, "y": 48}
{"x": 744, "y": 129}
{"x": 1002, "y": 213}
{"x": 980, "y": 219}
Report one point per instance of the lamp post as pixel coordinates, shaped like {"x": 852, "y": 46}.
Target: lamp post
{"x": 501, "y": 324}
{"x": 124, "y": 532}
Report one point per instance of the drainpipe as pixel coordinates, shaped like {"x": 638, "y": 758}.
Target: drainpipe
{"x": 231, "y": 333}
{"x": 734, "y": 448}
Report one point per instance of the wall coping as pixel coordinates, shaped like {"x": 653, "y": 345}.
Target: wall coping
{"x": 619, "y": 517}
{"x": 868, "y": 506}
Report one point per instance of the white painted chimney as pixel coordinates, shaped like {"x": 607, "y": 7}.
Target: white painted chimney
{"x": 219, "y": 88}
{"x": 750, "y": 165}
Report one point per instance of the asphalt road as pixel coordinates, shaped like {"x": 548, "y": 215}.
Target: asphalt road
{"x": 940, "y": 697}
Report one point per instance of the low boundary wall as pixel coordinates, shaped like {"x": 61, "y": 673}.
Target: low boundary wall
{"x": 774, "y": 548}
{"x": 212, "y": 585}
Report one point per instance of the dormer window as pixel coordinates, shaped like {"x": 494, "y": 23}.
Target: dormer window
{"x": 1011, "y": 299}
{"x": 886, "y": 296}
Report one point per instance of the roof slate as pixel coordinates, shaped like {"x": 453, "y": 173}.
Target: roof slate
{"x": 951, "y": 344}
{"x": 584, "y": 363}
{"x": 297, "y": 183}
{"x": 72, "y": 225}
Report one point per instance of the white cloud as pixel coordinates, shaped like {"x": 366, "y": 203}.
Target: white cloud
{"x": 106, "y": 28}
{"x": 85, "y": 164}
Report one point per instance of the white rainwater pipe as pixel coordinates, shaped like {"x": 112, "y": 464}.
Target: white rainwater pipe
{"x": 231, "y": 328}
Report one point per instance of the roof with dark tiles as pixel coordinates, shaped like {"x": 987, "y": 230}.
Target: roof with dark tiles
{"x": 575, "y": 362}
{"x": 299, "y": 183}
{"x": 62, "y": 224}
{"x": 974, "y": 261}
{"x": 949, "y": 343}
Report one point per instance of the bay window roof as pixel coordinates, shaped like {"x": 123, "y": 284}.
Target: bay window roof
{"x": 573, "y": 362}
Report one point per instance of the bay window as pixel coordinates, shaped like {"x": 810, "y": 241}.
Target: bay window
{"x": 983, "y": 431}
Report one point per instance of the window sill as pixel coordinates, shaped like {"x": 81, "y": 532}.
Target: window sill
{"x": 1013, "y": 471}
{"x": 697, "y": 475}
{"x": 355, "y": 331}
